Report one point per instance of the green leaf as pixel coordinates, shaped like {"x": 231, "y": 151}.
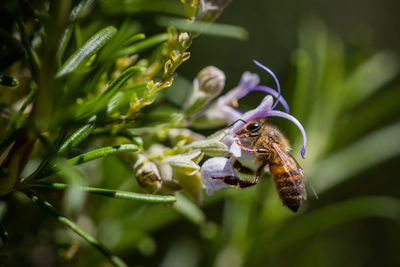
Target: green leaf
{"x": 370, "y": 76}
{"x": 91, "y": 47}
{"x": 102, "y": 152}
{"x": 57, "y": 165}
{"x": 382, "y": 105}
{"x": 79, "y": 10}
{"x": 143, "y": 45}
{"x": 365, "y": 153}
{"x": 101, "y": 102}
{"x": 78, "y": 136}
{"x": 326, "y": 218}
{"x": 220, "y": 30}
{"x": 119, "y": 194}
{"x": 127, "y": 33}
{"x": 132, "y": 7}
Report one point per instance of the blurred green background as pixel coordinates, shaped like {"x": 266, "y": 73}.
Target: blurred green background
{"x": 338, "y": 65}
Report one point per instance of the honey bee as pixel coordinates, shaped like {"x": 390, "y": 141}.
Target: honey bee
{"x": 271, "y": 148}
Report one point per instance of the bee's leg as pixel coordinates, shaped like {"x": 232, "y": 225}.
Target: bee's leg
{"x": 243, "y": 147}
{"x": 254, "y": 150}
{"x": 243, "y": 169}
{"x": 258, "y": 174}
{"x": 234, "y": 180}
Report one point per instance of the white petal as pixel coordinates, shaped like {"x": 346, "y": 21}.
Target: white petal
{"x": 215, "y": 167}
{"x": 235, "y": 150}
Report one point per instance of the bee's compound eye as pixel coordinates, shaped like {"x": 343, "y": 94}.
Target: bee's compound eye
{"x": 254, "y": 126}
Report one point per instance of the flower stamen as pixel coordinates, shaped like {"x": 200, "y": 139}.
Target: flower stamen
{"x": 275, "y": 79}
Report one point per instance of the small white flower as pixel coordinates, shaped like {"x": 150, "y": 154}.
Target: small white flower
{"x": 215, "y": 167}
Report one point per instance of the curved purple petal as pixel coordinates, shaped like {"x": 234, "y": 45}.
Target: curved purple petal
{"x": 273, "y": 93}
{"x": 247, "y": 81}
{"x": 276, "y": 113}
{"x": 260, "y": 111}
{"x": 231, "y": 115}
{"x": 275, "y": 78}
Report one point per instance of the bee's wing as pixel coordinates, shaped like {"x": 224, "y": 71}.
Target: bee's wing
{"x": 290, "y": 163}
{"x": 305, "y": 179}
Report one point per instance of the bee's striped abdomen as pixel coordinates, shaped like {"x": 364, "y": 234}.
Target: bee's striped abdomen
{"x": 289, "y": 184}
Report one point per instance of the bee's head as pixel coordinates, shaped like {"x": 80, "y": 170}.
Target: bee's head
{"x": 251, "y": 129}
{"x": 253, "y": 126}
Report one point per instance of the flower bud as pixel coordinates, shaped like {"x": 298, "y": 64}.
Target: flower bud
{"x": 147, "y": 174}
{"x": 184, "y": 40}
{"x": 183, "y": 135}
{"x": 208, "y": 84}
{"x": 212, "y": 146}
{"x": 185, "y": 169}
{"x": 186, "y": 163}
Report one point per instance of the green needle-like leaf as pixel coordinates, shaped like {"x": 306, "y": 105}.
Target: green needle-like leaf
{"x": 220, "y": 30}
{"x": 77, "y": 137}
{"x": 102, "y": 152}
{"x": 143, "y": 45}
{"x": 148, "y": 198}
{"x": 369, "y": 151}
{"x": 326, "y": 218}
{"x": 383, "y": 67}
{"x": 91, "y": 47}
{"x": 95, "y": 154}
{"x": 102, "y": 101}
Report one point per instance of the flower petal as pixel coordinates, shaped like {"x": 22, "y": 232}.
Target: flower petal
{"x": 236, "y": 150}
{"x": 247, "y": 81}
{"x": 215, "y": 167}
{"x": 276, "y": 113}
{"x": 261, "y": 111}
{"x": 274, "y": 93}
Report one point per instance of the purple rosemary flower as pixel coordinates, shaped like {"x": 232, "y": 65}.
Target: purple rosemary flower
{"x": 248, "y": 83}
{"x": 224, "y": 109}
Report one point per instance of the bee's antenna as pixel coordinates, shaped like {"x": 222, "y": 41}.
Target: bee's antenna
{"x": 233, "y": 123}
{"x": 275, "y": 79}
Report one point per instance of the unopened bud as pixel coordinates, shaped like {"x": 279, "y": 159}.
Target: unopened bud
{"x": 184, "y": 40}
{"x": 208, "y": 84}
{"x": 186, "y": 163}
{"x": 183, "y": 135}
{"x": 147, "y": 174}
{"x": 211, "y": 80}
{"x": 213, "y": 146}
